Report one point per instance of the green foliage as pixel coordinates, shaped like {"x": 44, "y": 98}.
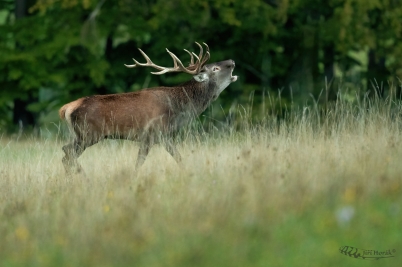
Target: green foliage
{"x": 77, "y": 48}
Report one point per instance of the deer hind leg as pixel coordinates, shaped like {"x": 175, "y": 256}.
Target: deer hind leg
{"x": 72, "y": 152}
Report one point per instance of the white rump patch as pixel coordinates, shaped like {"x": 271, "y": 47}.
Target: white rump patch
{"x": 67, "y": 115}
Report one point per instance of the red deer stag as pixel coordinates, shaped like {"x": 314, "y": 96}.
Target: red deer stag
{"x": 146, "y": 115}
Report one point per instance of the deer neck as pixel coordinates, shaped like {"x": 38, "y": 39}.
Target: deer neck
{"x": 197, "y": 96}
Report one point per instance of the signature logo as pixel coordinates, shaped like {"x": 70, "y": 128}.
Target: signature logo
{"x": 367, "y": 254}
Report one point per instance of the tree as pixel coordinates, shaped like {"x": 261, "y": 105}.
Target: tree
{"x": 61, "y": 50}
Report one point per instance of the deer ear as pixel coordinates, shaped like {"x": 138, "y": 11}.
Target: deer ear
{"x": 201, "y": 77}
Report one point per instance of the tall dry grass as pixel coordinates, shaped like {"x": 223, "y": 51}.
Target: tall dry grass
{"x": 276, "y": 193}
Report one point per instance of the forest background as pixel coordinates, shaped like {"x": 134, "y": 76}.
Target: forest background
{"x": 302, "y": 51}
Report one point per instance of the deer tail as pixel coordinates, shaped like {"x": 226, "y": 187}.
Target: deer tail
{"x": 62, "y": 112}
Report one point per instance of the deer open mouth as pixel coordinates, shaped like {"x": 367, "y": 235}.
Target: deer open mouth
{"x": 233, "y": 78}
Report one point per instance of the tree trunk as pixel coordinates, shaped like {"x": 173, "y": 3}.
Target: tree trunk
{"x": 331, "y": 86}
{"x": 377, "y": 75}
{"x": 21, "y": 115}
{"x": 20, "y": 8}
{"x": 304, "y": 73}
{"x": 266, "y": 70}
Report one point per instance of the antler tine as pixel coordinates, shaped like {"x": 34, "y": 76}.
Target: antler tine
{"x": 149, "y": 62}
{"x": 179, "y": 65}
{"x": 140, "y": 64}
{"x": 203, "y": 58}
{"x": 206, "y": 46}
{"x": 132, "y": 66}
{"x": 206, "y": 58}
{"x": 201, "y": 51}
{"x": 198, "y": 59}
{"x": 207, "y": 55}
{"x": 161, "y": 72}
{"x": 193, "y": 68}
{"x": 191, "y": 55}
{"x": 174, "y": 59}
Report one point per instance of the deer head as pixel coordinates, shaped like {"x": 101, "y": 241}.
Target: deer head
{"x": 218, "y": 75}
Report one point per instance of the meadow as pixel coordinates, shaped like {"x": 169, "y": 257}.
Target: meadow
{"x": 285, "y": 192}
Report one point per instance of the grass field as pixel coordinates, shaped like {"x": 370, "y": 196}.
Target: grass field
{"x": 285, "y": 193}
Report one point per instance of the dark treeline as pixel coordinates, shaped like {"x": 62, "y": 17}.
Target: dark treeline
{"x": 53, "y": 51}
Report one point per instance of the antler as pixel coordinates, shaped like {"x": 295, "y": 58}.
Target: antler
{"x": 193, "y": 68}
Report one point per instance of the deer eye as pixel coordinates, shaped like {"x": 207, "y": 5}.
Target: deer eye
{"x": 215, "y": 68}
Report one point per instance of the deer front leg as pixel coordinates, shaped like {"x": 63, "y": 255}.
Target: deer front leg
{"x": 145, "y": 147}
{"x": 171, "y": 148}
